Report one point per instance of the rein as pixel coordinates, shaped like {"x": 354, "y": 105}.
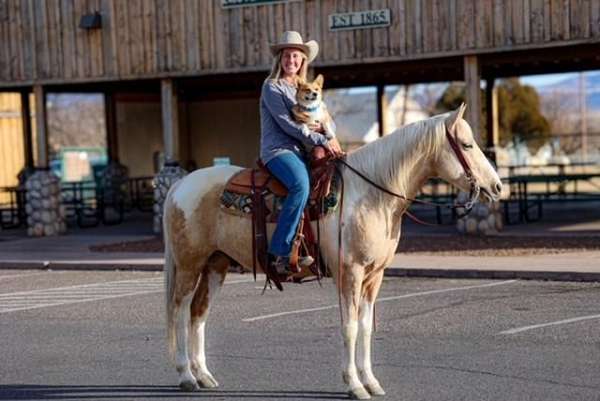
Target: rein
{"x": 468, "y": 206}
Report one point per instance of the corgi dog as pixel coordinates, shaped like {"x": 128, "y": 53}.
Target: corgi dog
{"x": 310, "y": 107}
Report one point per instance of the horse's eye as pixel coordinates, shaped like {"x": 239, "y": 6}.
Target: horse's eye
{"x": 467, "y": 146}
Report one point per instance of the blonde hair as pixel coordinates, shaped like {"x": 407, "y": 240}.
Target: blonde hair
{"x": 276, "y": 66}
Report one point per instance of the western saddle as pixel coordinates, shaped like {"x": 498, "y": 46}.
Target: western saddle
{"x": 256, "y": 183}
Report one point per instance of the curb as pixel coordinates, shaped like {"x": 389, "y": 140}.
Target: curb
{"x": 389, "y": 272}
{"x": 494, "y": 274}
{"x": 67, "y": 265}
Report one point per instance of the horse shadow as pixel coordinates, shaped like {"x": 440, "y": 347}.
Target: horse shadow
{"x": 106, "y": 392}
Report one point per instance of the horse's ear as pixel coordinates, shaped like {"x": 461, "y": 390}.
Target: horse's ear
{"x": 319, "y": 80}
{"x": 454, "y": 117}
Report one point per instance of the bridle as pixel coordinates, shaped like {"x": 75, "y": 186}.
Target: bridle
{"x": 475, "y": 189}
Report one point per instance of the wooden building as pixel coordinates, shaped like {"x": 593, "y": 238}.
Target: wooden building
{"x": 184, "y": 76}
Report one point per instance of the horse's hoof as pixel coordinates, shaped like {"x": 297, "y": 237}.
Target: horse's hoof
{"x": 374, "y": 389}
{"x": 359, "y": 393}
{"x": 207, "y": 381}
{"x": 189, "y": 386}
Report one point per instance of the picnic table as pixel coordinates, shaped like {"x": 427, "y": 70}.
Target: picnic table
{"x": 12, "y": 213}
{"x": 87, "y": 203}
{"x": 558, "y": 187}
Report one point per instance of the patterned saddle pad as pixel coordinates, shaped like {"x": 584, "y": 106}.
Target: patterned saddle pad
{"x": 241, "y": 204}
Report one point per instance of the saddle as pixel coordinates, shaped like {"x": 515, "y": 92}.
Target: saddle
{"x": 258, "y": 182}
{"x": 244, "y": 182}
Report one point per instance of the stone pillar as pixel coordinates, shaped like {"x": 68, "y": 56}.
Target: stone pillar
{"x": 484, "y": 219}
{"x": 45, "y": 215}
{"x": 171, "y": 171}
{"x": 114, "y": 186}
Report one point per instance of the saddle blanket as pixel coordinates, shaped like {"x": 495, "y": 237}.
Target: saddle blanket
{"x": 241, "y": 204}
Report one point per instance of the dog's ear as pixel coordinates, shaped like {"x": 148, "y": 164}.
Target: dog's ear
{"x": 300, "y": 81}
{"x": 319, "y": 81}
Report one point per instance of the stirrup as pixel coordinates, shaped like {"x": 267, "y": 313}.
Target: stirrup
{"x": 281, "y": 265}
{"x": 305, "y": 261}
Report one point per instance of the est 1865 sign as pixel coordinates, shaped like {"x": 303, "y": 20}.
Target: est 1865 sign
{"x": 360, "y": 19}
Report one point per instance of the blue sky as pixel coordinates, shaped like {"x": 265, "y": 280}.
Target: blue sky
{"x": 546, "y": 79}
{"x": 549, "y": 79}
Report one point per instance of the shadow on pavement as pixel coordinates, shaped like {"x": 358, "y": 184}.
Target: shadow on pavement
{"x": 49, "y": 392}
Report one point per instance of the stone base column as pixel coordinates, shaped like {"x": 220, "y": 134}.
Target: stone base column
{"x": 114, "y": 178}
{"x": 45, "y": 215}
{"x": 484, "y": 219}
{"x": 113, "y": 183}
{"x": 166, "y": 177}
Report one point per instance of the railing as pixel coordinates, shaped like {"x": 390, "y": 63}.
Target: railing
{"x": 86, "y": 203}
{"x": 12, "y": 213}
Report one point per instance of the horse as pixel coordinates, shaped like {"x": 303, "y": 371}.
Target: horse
{"x": 201, "y": 241}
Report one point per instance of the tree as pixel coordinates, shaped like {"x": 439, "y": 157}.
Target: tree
{"x": 519, "y": 113}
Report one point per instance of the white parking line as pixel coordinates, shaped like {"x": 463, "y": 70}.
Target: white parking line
{"x": 556, "y": 323}
{"x": 9, "y": 276}
{"x": 414, "y": 294}
{"x": 26, "y": 300}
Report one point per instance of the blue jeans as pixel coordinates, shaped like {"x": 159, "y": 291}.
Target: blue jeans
{"x": 291, "y": 170}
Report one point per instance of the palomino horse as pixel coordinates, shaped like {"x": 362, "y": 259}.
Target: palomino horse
{"x": 201, "y": 240}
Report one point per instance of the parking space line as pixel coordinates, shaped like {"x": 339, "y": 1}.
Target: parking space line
{"x": 556, "y": 323}
{"x": 414, "y": 294}
{"x": 9, "y": 276}
{"x": 26, "y": 300}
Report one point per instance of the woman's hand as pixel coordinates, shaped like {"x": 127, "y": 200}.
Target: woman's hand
{"x": 334, "y": 147}
{"x": 317, "y": 126}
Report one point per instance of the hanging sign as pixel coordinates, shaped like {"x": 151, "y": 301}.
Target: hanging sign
{"x": 360, "y": 20}
{"x": 244, "y": 3}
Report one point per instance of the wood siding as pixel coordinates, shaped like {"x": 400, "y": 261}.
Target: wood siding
{"x": 12, "y": 158}
{"x": 40, "y": 40}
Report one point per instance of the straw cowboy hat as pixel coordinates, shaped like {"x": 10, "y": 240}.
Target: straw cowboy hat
{"x": 294, "y": 40}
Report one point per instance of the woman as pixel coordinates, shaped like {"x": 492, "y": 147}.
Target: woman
{"x": 284, "y": 142}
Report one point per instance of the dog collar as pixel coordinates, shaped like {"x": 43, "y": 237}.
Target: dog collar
{"x": 309, "y": 109}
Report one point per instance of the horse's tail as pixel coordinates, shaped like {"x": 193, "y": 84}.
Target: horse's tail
{"x": 170, "y": 271}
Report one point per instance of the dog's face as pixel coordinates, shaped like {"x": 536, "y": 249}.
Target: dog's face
{"x": 310, "y": 92}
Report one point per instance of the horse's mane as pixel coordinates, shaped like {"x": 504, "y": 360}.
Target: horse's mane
{"x": 389, "y": 160}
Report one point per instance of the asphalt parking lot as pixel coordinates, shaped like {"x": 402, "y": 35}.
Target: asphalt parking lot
{"x": 100, "y": 336}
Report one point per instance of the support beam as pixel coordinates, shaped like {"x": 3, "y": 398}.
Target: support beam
{"x": 110, "y": 117}
{"x": 382, "y": 108}
{"x": 491, "y": 107}
{"x": 41, "y": 126}
{"x": 472, "y": 81}
{"x": 27, "y": 134}
{"x": 170, "y": 120}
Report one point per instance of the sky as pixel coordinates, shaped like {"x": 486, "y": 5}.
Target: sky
{"x": 546, "y": 79}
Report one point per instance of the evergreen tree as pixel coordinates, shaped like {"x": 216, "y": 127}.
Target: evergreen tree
{"x": 519, "y": 115}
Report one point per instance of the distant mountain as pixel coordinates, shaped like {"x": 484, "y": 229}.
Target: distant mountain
{"x": 570, "y": 87}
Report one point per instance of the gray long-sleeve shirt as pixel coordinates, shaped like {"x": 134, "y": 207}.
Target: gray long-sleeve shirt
{"x": 279, "y": 133}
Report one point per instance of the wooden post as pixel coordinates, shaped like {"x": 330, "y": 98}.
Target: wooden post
{"x": 110, "y": 116}
{"x": 382, "y": 106}
{"x": 472, "y": 81}
{"x": 27, "y": 134}
{"x": 41, "y": 126}
{"x": 491, "y": 107}
{"x": 170, "y": 120}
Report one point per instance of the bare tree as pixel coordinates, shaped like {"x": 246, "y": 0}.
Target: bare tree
{"x": 76, "y": 121}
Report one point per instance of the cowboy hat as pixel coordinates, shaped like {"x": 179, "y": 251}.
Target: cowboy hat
{"x": 294, "y": 40}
